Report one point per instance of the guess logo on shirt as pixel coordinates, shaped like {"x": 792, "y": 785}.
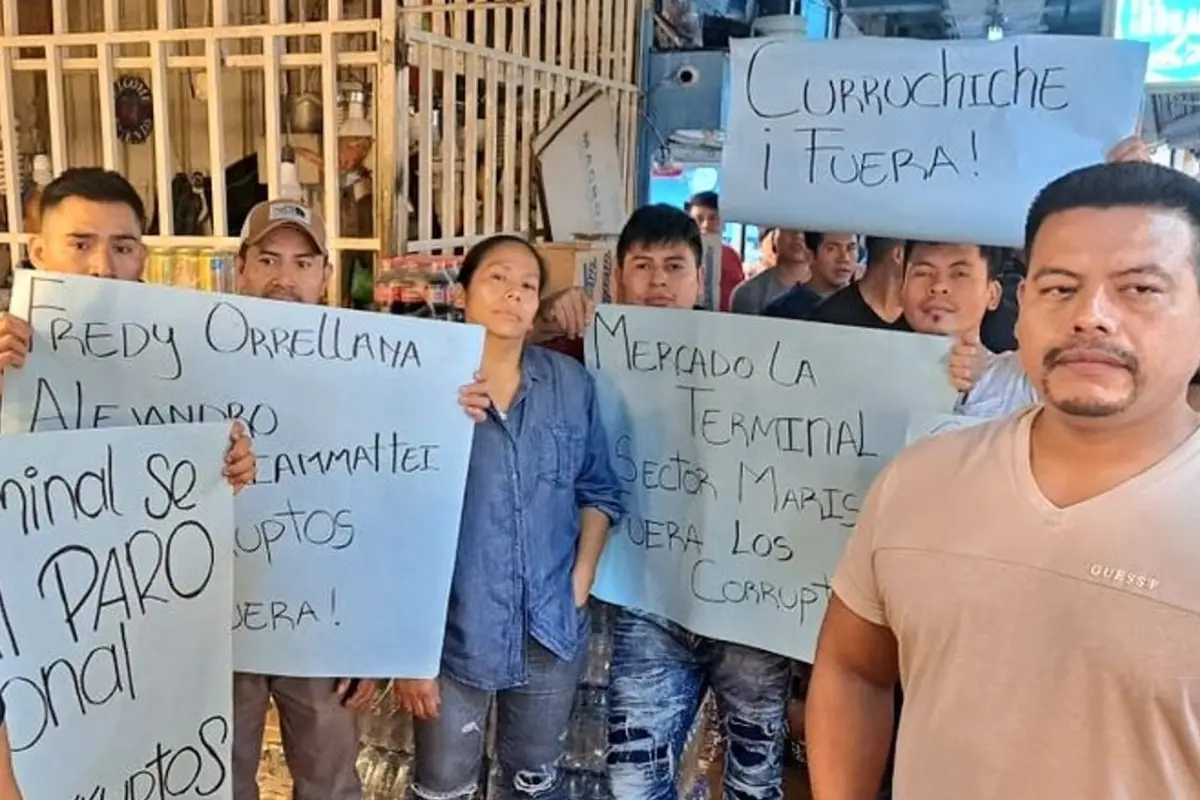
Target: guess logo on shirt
{"x": 1123, "y": 578}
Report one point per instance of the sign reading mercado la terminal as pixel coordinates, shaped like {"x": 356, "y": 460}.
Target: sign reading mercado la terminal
{"x": 1172, "y": 29}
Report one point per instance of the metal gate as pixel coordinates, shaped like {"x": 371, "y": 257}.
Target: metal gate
{"x": 458, "y": 91}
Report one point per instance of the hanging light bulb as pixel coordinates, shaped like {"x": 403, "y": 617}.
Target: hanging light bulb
{"x": 42, "y": 171}
{"x": 995, "y": 22}
{"x": 355, "y": 125}
{"x": 289, "y": 177}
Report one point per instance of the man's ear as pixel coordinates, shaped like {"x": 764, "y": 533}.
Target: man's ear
{"x": 994, "y": 295}
{"x": 37, "y": 251}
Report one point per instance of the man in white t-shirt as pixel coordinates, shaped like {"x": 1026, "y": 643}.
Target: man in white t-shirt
{"x": 1032, "y": 581}
{"x": 994, "y": 384}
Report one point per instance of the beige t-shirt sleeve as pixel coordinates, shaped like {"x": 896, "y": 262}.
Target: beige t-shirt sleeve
{"x": 854, "y": 580}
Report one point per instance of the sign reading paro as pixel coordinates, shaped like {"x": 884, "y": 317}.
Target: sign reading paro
{"x": 745, "y": 447}
{"x": 908, "y": 138}
{"x": 362, "y": 451}
{"x": 115, "y": 584}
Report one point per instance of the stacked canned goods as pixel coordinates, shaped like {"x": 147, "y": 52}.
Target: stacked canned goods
{"x": 205, "y": 269}
{"x": 587, "y": 737}
{"x": 419, "y": 286}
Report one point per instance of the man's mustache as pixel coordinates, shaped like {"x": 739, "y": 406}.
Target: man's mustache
{"x": 1066, "y": 353}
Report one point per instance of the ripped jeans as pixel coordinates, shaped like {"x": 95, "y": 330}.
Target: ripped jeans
{"x": 660, "y": 673}
{"x": 531, "y": 733}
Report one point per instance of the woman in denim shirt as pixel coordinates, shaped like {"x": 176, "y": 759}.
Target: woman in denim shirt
{"x": 540, "y": 498}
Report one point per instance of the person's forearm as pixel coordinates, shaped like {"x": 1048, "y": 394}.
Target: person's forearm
{"x": 544, "y": 325}
{"x": 593, "y": 534}
{"x": 8, "y": 786}
{"x": 8, "y": 782}
{"x": 848, "y": 726}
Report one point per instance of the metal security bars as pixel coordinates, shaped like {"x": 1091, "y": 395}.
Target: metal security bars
{"x": 457, "y": 90}
{"x": 498, "y": 73}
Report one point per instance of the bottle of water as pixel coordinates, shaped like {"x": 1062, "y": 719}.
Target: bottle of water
{"x": 700, "y": 789}
{"x": 599, "y": 658}
{"x": 593, "y": 718}
{"x": 598, "y": 787}
{"x": 495, "y": 779}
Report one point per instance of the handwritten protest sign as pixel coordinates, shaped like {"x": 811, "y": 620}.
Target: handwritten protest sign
{"x": 921, "y": 425}
{"x": 945, "y": 141}
{"x": 745, "y": 447}
{"x": 115, "y": 588}
{"x": 345, "y": 546}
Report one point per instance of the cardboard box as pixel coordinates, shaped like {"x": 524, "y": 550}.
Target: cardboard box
{"x": 589, "y": 264}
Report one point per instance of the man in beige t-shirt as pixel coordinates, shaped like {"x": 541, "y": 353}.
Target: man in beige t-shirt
{"x": 1035, "y": 582}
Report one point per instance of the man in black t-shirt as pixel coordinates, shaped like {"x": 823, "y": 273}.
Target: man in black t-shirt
{"x": 834, "y": 262}
{"x": 874, "y": 301}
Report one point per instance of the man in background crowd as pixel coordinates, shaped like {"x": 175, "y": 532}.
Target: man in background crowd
{"x": 766, "y": 254}
{"x": 704, "y": 208}
{"x": 873, "y": 302}
{"x": 792, "y": 263}
{"x": 834, "y": 261}
{"x": 660, "y": 671}
{"x": 1056, "y": 542}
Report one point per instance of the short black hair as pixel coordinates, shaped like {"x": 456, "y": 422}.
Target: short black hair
{"x": 473, "y": 260}
{"x": 96, "y": 184}
{"x": 703, "y": 200}
{"x": 879, "y": 246}
{"x": 994, "y": 257}
{"x": 813, "y": 239}
{"x": 658, "y": 225}
{"x": 1138, "y": 184}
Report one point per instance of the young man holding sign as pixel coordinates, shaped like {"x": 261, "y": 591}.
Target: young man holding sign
{"x": 283, "y": 256}
{"x": 92, "y": 225}
{"x": 1040, "y": 569}
{"x": 661, "y": 671}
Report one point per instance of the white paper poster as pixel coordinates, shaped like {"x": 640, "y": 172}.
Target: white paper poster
{"x": 117, "y": 575}
{"x": 345, "y": 547}
{"x": 935, "y": 140}
{"x": 745, "y": 447}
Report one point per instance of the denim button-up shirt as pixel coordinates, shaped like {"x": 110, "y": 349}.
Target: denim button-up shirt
{"x": 531, "y": 472}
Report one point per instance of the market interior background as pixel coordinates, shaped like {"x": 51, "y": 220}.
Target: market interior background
{"x": 422, "y": 126}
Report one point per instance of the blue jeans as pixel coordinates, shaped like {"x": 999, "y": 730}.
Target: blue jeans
{"x": 659, "y": 675}
{"x": 531, "y": 732}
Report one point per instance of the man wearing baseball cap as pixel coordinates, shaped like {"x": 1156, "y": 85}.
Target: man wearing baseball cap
{"x": 284, "y": 256}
